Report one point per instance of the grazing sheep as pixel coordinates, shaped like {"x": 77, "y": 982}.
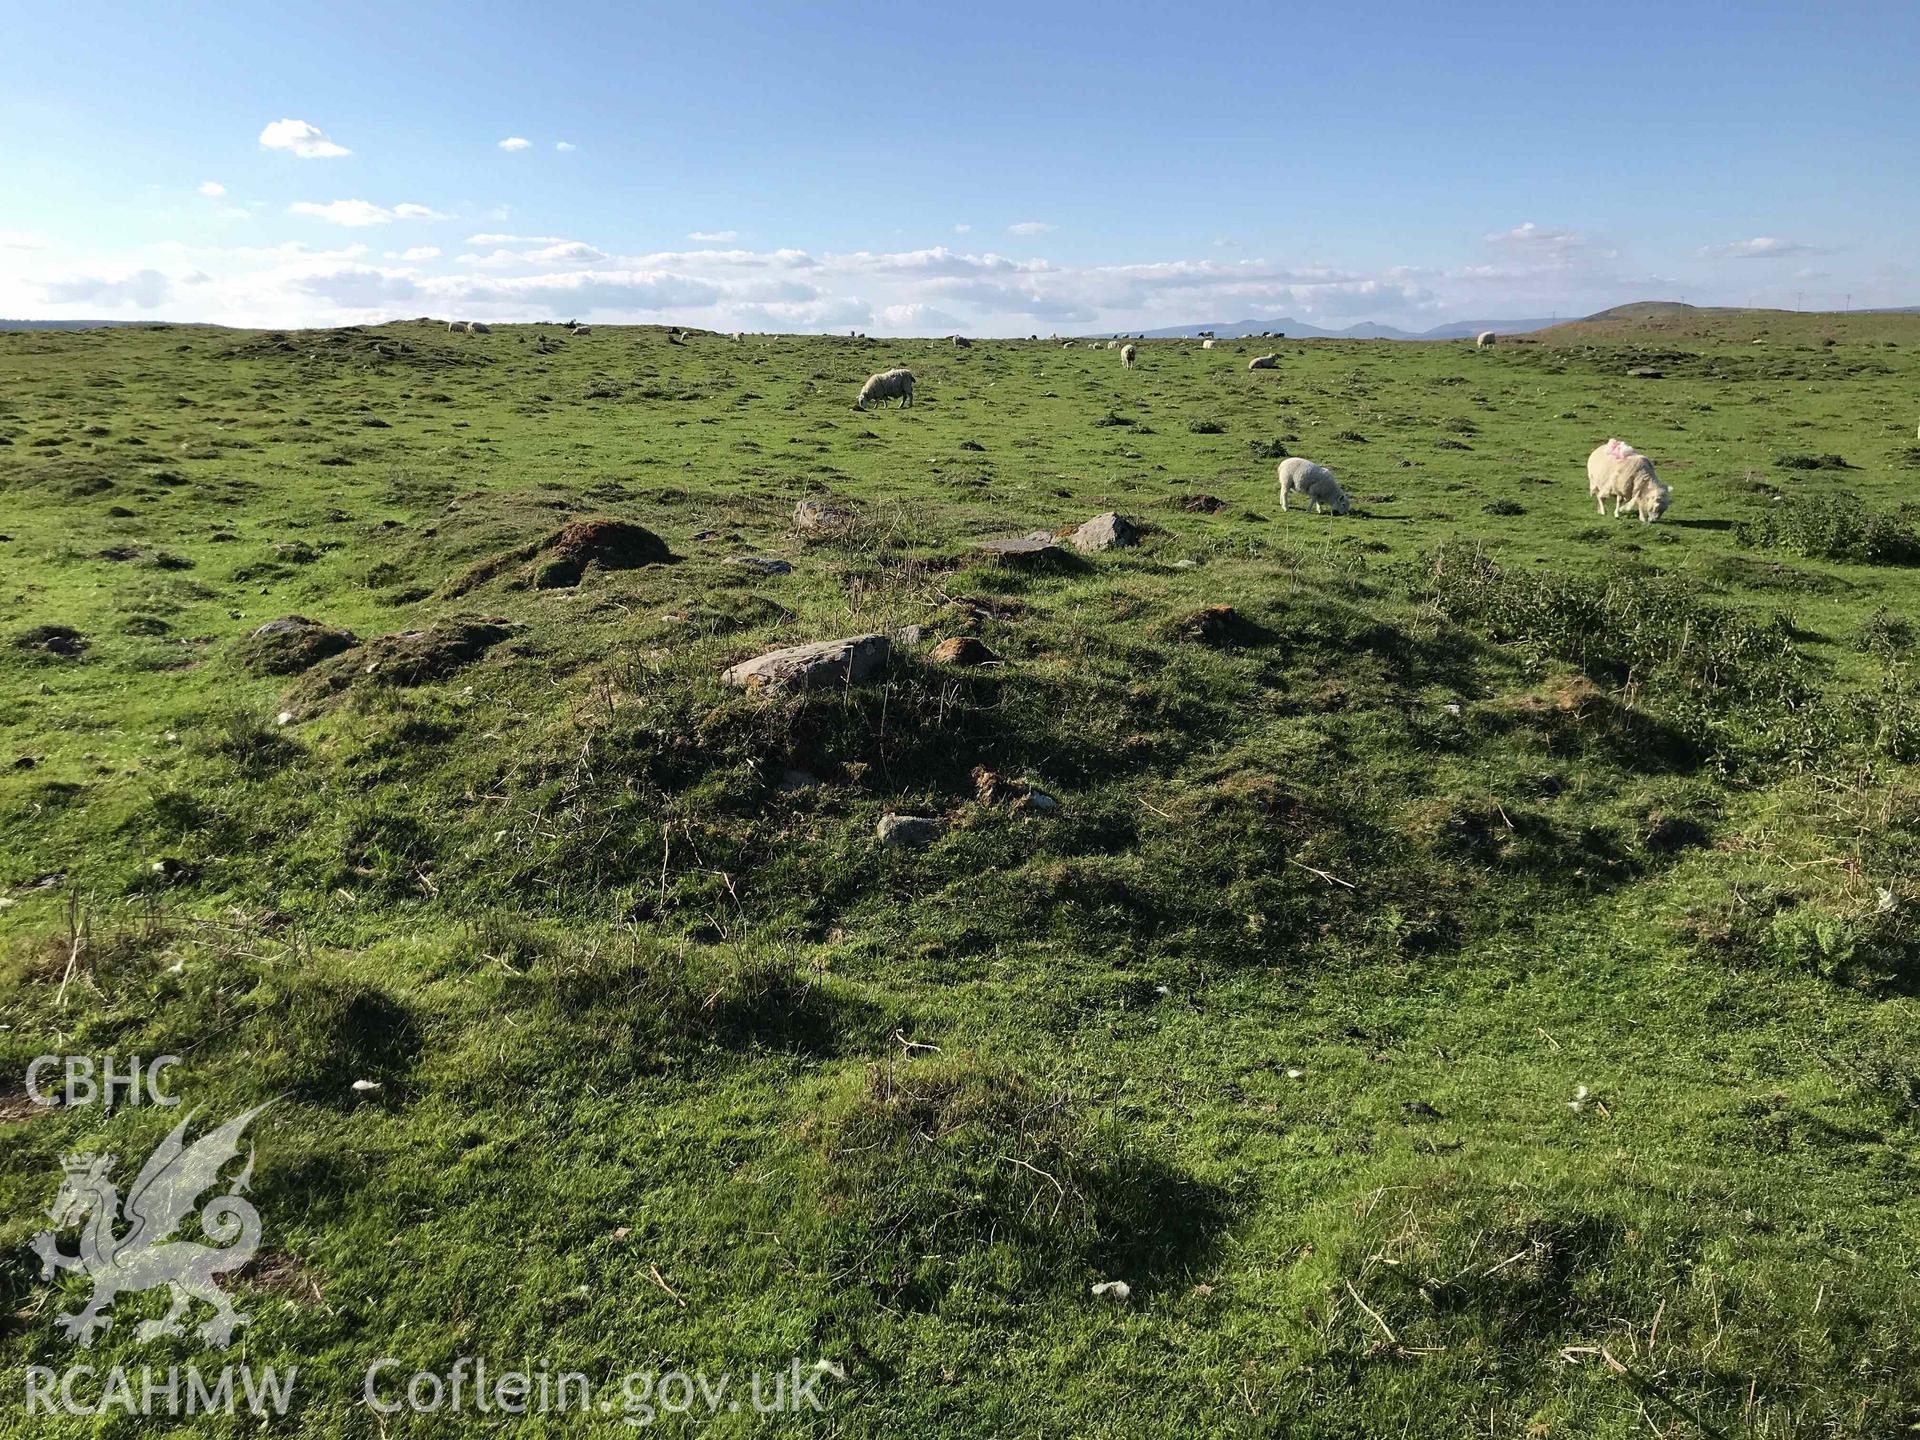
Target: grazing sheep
{"x": 1300, "y": 476}
{"x": 1264, "y": 362}
{"x": 583, "y": 329}
{"x": 1484, "y": 339}
{"x": 961, "y": 342}
{"x": 1126, "y": 357}
{"x": 477, "y": 327}
{"x": 885, "y": 386}
{"x": 456, "y": 327}
{"x": 1617, "y": 470}
{"x": 1206, "y": 344}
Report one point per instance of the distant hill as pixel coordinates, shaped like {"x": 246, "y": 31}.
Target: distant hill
{"x": 1366, "y": 330}
{"x": 1669, "y": 319}
{"x": 71, "y": 324}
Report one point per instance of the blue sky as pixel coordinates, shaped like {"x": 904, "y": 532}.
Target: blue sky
{"x": 914, "y": 168}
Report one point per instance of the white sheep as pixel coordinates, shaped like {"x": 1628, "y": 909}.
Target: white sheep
{"x": 583, "y": 329}
{"x": 887, "y": 385}
{"x": 1206, "y": 344}
{"x": 1484, "y": 339}
{"x": 1619, "y": 471}
{"x": 1264, "y": 362}
{"x": 1300, "y": 476}
{"x": 1126, "y": 357}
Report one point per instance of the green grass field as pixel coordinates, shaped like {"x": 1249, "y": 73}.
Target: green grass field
{"x": 1469, "y": 989}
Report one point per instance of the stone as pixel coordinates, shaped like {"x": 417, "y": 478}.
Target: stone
{"x": 59, "y": 640}
{"x": 911, "y": 634}
{"x": 291, "y": 644}
{"x": 906, "y": 832}
{"x": 817, "y": 515}
{"x": 1105, "y": 532}
{"x": 761, "y": 564}
{"x": 1037, "y": 551}
{"x": 963, "y": 650}
{"x": 852, "y": 661}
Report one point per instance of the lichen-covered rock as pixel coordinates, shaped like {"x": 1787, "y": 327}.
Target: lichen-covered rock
{"x": 816, "y": 516}
{"x": 1038, "y": 551}
{"x": 852, "y": 661}
{"x": 906, "y": 832}
{"x": 1105, "y": 532}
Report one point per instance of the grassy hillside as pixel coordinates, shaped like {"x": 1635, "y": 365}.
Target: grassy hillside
{"x": 1658, "y": 320}
{"x": 1465, "y": 987}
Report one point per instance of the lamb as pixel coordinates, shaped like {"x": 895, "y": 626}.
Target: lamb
{"x": 1113, "y": 344}
{"x": 1126, "y": 357}
{"x": 1484, "y": 339}
{"x": 887, "y": 385}
{"x": 1264, "y": 362}
{"x": 1300, "y": 476}
{"x": 1618, "y": 470}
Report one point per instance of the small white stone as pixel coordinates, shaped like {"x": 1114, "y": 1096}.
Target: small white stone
{"x": 1295, "y": 1073}
{"x": 285, "y": 717}
{"x": 365, "y": 1085}
{"x": 1112, "y": 1290}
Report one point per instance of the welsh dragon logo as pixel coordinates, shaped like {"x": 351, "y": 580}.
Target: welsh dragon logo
{"x": 164, "y": 1194}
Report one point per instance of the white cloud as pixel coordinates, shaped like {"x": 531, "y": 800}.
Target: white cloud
{"x": 962, "y": 229}
{"x": 1531, "y": 234}
{"x": 300, "y": 138}
{"x": 1761, "y": 247}
{"x": 360, "y": 212}
{"x": 515, "y": 142}
{"x": 714, "y": 237}
{"x": 213, "y": 188}
{"x": 563, "y": 146}
{"x": 569, "y": 251}
{"x": 21, "y": 240}
{"x": 143, "y": 289}
{"x": 1540, "y": 245}
{"x": 1029, "y": 227}
{"x": 933, "y": 290}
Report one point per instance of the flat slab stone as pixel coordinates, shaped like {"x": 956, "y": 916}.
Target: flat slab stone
{"x": 1040, "y": 549}
{"x": 852, "y": 661}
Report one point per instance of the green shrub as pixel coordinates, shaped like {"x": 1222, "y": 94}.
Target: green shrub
{"x": 1834, "y": 526}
